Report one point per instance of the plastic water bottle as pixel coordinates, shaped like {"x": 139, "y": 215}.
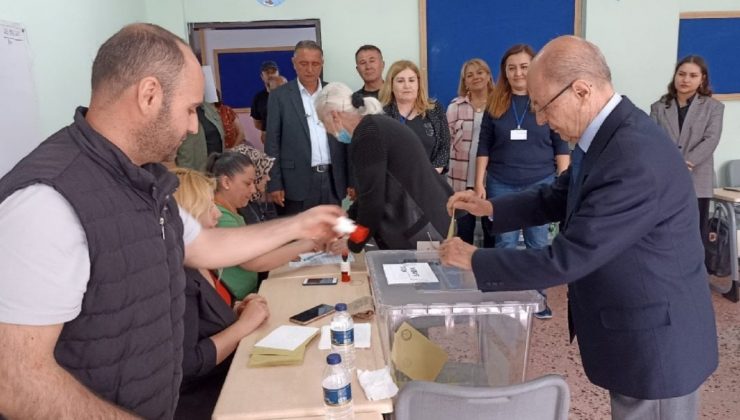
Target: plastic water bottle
{"x": 337, "y": 384}
{"x": 343, "y": 336}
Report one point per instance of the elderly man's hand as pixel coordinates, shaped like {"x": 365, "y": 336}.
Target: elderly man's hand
{"x": 457, "y": 253}
{"x": 469, "y": 200}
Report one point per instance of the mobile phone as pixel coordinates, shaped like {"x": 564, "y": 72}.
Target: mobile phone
{"x": 320, "y": 281}
{"x": 312, "y": 314}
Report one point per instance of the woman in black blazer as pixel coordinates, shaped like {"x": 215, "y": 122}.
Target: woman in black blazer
{"x": 400, "y": 198}
{"x": 212, "y": 328}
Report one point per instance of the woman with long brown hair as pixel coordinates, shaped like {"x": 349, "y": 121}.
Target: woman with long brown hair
{"x": 693, "y": 119}
{"x": 514, "y": 152}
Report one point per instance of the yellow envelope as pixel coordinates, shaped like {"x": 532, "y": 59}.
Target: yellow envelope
{"x": 416, "y": 356}
{"x": 262, "y": 360}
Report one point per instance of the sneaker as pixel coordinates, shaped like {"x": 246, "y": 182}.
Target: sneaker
{"x": 544, "y": 314}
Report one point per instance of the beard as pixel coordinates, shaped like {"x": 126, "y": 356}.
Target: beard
{"x": 157, "y": 141}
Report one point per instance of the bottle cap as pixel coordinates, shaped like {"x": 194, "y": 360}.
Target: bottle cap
{"x": 340, "y": 307}
{"x": 334, "y": 359}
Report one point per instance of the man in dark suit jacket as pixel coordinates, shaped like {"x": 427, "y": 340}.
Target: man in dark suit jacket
{"x": 629, "y": 247}
{"x": 310, "y": 164}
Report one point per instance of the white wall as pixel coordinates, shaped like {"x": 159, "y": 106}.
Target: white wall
{"x": 639, "y": 39}
{"x": 392, "y": 25}
{"x": 64, "y": 37}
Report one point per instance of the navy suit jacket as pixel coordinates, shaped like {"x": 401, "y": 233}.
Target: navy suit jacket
{"x": 288, "y": 140}
{"x": 631, "y": 253}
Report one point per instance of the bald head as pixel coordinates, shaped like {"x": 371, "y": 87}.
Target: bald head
{"x": 568, "y": 58}
{"x": 569, "y": 83}
{"x": 137, "y": 51}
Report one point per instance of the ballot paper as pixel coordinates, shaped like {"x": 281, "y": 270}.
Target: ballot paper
{"x": 409, "y": 273}
{"x": 309, "y": 259}
{"x": 287, "y": 337}
{"x": 362, "y": 336}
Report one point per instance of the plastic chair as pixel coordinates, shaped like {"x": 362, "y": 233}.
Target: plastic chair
{"x": 544, "y": 398}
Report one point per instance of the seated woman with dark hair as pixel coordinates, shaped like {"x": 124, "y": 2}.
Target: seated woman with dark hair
{"x": 235, "y": 185}
{"x": 212, "y": 328}
{"x": 259, "y": 209}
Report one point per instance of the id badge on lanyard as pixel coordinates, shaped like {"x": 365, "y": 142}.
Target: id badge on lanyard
{"x": 519, "y": 133}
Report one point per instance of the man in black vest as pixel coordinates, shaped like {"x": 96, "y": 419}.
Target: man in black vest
{"x": 93, "y": 245}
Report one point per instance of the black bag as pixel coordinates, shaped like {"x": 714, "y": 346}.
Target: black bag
{"x": 717, "y": 243}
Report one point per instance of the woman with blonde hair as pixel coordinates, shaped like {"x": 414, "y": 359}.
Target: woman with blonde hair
{"x": 464, "y": 115}
{"x": 212, "y": 328}
{"x": 404, "y": 98}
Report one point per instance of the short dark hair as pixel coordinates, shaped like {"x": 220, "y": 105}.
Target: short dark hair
{"x": 134, "y": 52}
{"x": 368, "y": 47}
{"x": 308, "y": 44}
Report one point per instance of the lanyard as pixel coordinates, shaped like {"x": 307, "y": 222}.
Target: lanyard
{"x": 519, "y": 121}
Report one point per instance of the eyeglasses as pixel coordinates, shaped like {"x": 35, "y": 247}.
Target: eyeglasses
{"x": 542, "y": 109}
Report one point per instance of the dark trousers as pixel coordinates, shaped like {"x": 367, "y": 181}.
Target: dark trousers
{"x": 321, "y": 191}
{"x": 704, "y": 217}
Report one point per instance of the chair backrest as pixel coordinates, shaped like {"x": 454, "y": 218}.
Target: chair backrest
{"x": 733, "y": 173}
{"x": 544, "y": 398}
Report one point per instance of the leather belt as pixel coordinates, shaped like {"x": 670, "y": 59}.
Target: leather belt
{"x": 324, "y": 167}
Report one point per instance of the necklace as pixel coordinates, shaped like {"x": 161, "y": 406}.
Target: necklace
{"x": 478, "y": 105}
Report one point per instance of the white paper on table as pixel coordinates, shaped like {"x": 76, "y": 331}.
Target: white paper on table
{"x": 409, "y": 273}
{"x": 287, "y": 337}
{"x": 362, "y": 336}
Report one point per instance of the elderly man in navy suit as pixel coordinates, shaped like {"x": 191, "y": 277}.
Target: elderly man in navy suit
{"x": 629, "y": 248}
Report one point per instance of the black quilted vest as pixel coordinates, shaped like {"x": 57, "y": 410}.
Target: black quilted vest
{"x": 126, "y": 344}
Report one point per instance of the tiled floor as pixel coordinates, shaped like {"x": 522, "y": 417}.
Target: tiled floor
{"x": 550, "y": 352}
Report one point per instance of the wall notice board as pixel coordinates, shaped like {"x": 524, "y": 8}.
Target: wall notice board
{"x": 19, "y": 111}
{"x": 454, "y": 32}
{"x": 238, "y": 72}
{"x": 716, "y": 37}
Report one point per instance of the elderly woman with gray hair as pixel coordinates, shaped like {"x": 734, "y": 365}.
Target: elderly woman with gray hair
{"x": 397, "y": 199}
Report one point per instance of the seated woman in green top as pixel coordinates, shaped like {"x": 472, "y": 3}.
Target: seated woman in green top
{"x": 235, "y": 186}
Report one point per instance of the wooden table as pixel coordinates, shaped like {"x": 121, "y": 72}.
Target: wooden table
{"x": 295, "y": 391}
{"x": 330, "y": 270}
{"x": 729, "y": 199}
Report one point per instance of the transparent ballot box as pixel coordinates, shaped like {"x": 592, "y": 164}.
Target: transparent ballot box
{"x": 469, "y": 337}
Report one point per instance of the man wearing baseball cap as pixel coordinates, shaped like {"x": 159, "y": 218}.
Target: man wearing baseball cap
{"x": 258, "y": 113}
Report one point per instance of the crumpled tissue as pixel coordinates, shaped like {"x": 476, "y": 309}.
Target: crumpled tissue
{"x": 377, "y": 384}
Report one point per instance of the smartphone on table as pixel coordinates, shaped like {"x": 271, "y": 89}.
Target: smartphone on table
{"x": 312, "y": 314}
{"x": 320, "y": 281}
